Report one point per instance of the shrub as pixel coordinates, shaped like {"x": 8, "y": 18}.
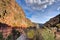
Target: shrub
{"x": 47, "y": 34}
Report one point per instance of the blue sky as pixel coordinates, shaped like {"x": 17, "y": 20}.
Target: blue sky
{"x": 40, "y": 11}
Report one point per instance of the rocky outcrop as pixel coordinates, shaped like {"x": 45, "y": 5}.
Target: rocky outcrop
{"x": 53, "y": 21}
{"x": 12, "y": 14}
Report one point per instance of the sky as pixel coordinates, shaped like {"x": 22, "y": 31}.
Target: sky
{"x": 40, "y": 11}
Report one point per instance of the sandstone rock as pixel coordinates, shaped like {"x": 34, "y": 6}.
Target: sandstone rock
{"x": 12, "y": 14}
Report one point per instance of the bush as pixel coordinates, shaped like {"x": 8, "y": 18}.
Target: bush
{"x": 10, "y": 37}
{"x": 1, "y": 36}
{"x": 30, "y": 34}
{"x": 47, "y": 34}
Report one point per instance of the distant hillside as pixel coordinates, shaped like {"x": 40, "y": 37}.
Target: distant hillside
{"x": 53, "y": 21}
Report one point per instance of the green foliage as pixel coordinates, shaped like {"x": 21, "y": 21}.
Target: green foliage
{"x": 38, "y": 35}
{"x": 15, "y": 34}
{"x": 1, "y": 36}
{"x": 10, "y": 37}
{"x": 47, "y": 34}
{"x": 30, "y": 34}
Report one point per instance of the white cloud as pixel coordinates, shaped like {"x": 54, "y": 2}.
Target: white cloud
{"x": 39, "y": 19}
{"x": 42, "y": 18}
{"x": 58, "y": 8}
{"x": 39, "y": 4}
{"x": 34, "y": 5}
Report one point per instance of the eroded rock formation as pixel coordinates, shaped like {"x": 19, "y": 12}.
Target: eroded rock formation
{"x": 12, "y": 14}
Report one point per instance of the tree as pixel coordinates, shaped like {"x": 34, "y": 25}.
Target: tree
{"x": 15, "y": 34}
{"x": 10, "y": 37}
{"x": 1, "y": 36}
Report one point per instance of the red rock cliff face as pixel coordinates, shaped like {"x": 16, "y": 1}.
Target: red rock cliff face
{"x": 12, "y": 14}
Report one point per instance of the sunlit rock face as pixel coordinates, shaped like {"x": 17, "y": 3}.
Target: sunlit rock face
{"x": 12, "y": 14}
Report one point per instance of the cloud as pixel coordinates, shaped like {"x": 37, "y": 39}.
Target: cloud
{"x": 38, "y": 18}
{"x": 39, "y": 4}
{"x": 43, "y": 17}
{"x": 58, "y": 8}
{"x": 35, "y": 7}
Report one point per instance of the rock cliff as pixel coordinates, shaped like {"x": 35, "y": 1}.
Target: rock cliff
{"x": 12, "y": 14}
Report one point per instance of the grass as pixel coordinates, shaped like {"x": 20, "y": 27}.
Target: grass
{"x": 47, "y": 34}
{"x": 41, "y": 34}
